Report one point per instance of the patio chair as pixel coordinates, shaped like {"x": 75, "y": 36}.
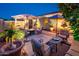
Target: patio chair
{"x": 38, "y": 31}
{"x": 26, "y": 33}
{"x": 36, "y": 47}
{"x": 40, "y": 49}
{"x": 64, "y": 34}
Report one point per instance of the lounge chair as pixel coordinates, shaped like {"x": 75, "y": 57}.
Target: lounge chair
{"x": 36, "y": 47}
{"x": 40, "y": 49}
{"x": 64, "y": 34}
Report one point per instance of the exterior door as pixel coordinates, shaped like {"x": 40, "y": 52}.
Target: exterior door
{"x": 30, "y": 23}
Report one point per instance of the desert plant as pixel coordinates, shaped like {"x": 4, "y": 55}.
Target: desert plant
{"x": 14, "y": 35}
{"x": 19, "y": 34}
{"x": 9, "y": 35}
{"x": 2, "y": 34}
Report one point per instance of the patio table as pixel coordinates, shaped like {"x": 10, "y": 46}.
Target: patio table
{"x": 32, "y": 31}
{"x": 55, "y": 41}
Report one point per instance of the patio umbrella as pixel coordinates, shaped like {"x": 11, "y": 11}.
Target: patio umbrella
{"x": 56, "y": 17}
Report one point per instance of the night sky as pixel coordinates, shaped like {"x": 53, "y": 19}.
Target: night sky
{"x": 10, "y": 9}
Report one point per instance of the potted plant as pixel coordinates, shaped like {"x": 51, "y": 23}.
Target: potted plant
{"x": 14, "y": 42}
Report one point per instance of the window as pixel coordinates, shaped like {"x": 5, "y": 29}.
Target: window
{"x": 20, "y": 19}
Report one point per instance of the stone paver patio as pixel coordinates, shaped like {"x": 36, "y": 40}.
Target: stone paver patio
{"x": 74, "y": 49}
{"x": 46, "y": 36}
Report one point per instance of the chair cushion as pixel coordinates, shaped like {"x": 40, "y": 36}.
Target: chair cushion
{"x": 62, "y": 36}
{"x": 63, "y": 33}
{"x": 36, "y": 43}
